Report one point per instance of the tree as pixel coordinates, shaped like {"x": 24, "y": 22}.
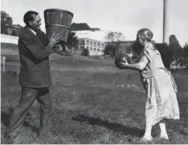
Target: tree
{"x": 72, "y": 41}
{"x": 175, "y": 46}
{"x": 6, "y": 23}
{"x": 114, "y": 36}
{"x": 85, "y": 52}
{"x": 166, "y": 54}
{"x": 108, "y": 49}
{"x": 185, "y": 48}
{"x": 16, "y": 29}
{"x": 178, "y": 53}
{"x": 113, "y": 39}
{"x": 7, "y": 26}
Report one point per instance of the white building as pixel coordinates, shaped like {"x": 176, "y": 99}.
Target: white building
{"x": 93, "y": 41}
{"x": 94, "y": 47}
{"x": 90, "y": 39}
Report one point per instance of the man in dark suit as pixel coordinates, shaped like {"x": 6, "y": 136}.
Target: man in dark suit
{"x": 35, "y": 80}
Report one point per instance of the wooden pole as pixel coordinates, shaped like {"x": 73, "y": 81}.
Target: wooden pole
{"x": 3, "y": 62}
{"x": 165, "y": 22}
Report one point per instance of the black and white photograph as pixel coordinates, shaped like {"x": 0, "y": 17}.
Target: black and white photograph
{"x": 94, "y": 71}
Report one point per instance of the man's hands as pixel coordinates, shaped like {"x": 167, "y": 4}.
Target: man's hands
{"x": 54, "y": 40}
{"x": 58, "y": 47}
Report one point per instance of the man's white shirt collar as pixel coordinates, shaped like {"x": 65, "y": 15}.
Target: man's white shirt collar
{"x": 32, "y": 31}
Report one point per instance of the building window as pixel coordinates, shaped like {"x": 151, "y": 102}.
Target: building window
{"x": 94, "y": 49}
{"x": 94, "y": 44}
{"x": 98, "y": 50}
{"x": 82, "y": 42}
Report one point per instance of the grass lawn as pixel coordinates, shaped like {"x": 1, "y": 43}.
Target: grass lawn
{"x": 93, "y": 102}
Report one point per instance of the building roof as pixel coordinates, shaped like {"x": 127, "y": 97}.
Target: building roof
{"x": 80, "y": 26}
{"x": 95, "y": 35}
{"x": 95, "y": 29}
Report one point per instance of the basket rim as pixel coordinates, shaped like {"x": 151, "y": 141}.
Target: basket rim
{"x": 58, "y": 10}
{"x": 57, "y": 25}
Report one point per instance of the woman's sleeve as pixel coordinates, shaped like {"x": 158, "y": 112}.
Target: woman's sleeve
{"x": 144, "y": 61}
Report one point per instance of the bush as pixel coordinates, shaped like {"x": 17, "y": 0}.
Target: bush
{"x": 85, "y": 52}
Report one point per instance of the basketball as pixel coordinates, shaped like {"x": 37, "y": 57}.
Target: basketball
{"x": 120, "y": 58}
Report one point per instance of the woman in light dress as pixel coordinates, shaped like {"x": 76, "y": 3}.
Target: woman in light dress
{"x": 161, "y": 101}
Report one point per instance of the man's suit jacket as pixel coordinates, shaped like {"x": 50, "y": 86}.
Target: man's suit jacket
{"x": 34, "y": 59}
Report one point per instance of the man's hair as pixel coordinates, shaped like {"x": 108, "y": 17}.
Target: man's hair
{"x": 29, "y": 16}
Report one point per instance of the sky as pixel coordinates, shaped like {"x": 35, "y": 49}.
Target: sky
{"x": 126, "y": 16}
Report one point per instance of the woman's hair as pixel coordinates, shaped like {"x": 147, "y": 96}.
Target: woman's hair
{"x": 145, "y": 34}
{"x": 29, "y": 16}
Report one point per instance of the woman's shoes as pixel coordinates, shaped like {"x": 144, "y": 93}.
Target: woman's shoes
{"x": 145, "y": 139}
{"x": 164, "y": 137}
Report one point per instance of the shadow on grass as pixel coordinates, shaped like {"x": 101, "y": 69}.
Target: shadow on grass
{"x": 113, "y": 126}
{"x": 5, "y": 119}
